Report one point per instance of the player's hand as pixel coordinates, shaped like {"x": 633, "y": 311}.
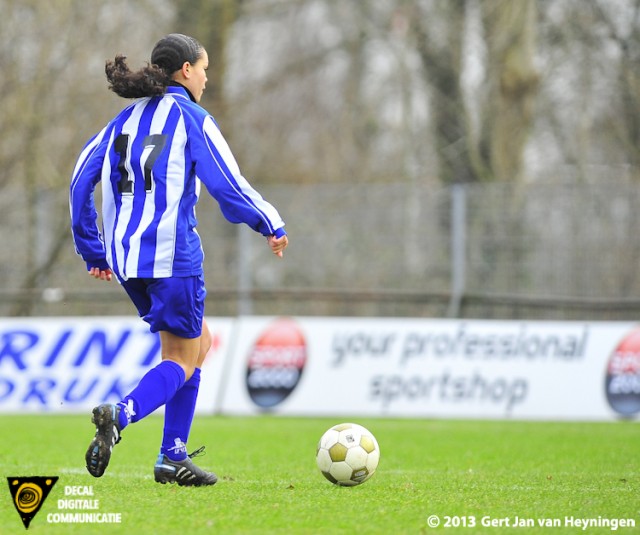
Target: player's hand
{"x": 102, "y": 274}
{"x": 278, "y": 245}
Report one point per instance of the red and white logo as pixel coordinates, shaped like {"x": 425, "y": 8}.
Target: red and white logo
{"x": 622, "y": 383}
{"x": 276, "y": 362}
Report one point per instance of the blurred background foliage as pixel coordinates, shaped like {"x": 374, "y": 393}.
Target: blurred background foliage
{"x": 324, "y": 100}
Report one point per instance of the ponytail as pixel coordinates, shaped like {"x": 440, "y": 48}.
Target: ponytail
{"x": 149, "y": 81}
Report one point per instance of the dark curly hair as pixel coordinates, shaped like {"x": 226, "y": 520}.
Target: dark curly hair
{"x": 168, "y": 56}
{"x": 149, "y": 81}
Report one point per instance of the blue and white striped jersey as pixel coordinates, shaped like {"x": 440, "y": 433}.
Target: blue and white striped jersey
{"x": 151, "y": 160}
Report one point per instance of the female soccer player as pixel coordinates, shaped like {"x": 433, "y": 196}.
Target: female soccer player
{"x": 152, "y": 158}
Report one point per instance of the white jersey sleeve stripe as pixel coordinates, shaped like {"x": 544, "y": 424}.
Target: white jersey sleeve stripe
{"x": 85, "y": 155}
{"x": 80, "y": 166}
{"x": 109, "y": 207}
{"x": 226, "y": 163}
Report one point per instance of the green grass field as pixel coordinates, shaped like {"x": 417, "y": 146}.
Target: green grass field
{"x": 465, "y": 470}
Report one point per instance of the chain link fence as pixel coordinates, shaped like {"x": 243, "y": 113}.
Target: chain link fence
{"x": 544, "y": 250}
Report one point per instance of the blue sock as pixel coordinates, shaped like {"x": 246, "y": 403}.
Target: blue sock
{"x": 155, "y": 388}
{"x": 178, "y": 416}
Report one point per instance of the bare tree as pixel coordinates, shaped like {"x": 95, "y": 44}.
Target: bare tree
{"x": 54, "y": 99}
{"x": 210, "y": 23}
{"x": 588, "y": 119}
{"x": 374, "y": 91}
{"x": 398, "y": 97}
{"x": 513, "y": 82}
{"x": 622, "y": 29}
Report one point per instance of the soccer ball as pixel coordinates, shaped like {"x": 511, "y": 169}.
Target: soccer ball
{"x": 347, "y": 454}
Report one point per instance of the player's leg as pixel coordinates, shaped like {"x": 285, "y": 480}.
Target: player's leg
{"x": 173, "y": 464}
{"x": 164, "y": 304}
{"x": 176, "y": 311}
{"x": 155, "y": 389}
{"x": 180, "y": 409}
{"x": 160, "y": 384}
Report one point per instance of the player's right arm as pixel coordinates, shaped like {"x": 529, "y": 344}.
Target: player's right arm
{"x": 101, "y": 274}
{"x": 84, "y": 217}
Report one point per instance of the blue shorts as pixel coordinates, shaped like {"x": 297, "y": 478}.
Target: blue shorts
{"x": 174, "y": 304}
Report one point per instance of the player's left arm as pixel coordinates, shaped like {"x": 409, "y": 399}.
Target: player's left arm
{"x": 238, "y": 200}
{"x": 278, "y": 244}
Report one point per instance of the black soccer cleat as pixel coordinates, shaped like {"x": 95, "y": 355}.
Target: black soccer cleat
{"x": 105, "y": 417}
{"x": 184, "y": 473}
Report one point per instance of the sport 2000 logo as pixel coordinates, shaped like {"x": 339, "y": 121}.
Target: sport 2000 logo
{"x": 622, "y": 383}
{"x": 275, "y": 363}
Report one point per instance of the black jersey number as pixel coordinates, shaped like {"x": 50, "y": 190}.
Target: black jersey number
{"x": 153, "y": 147}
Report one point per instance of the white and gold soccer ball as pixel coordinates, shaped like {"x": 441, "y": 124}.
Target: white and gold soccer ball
{"x": 347, "y": 454}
